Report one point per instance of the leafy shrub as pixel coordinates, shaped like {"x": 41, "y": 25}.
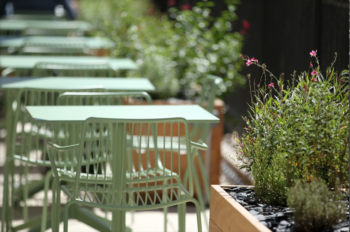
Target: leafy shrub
{"x": 297, "y": 130}
{"x": 173, "y": 53}
{"x": 315, "y": 207}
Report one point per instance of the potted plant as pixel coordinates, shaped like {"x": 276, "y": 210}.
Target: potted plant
{"x": 297, "y": 132}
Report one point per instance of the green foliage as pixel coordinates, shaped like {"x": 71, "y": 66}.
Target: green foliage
{"x": 315, "y": 207}
{"x": 297, "y": 130}
{"x": 173, "y": 53}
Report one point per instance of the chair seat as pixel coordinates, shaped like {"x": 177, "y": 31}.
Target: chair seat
{"x": 132, "y": 196}
{"x": 147, "y": 175}
{"x": 168, "y": 143}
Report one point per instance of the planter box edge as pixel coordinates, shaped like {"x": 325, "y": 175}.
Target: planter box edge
{"x": 228, "y": 215}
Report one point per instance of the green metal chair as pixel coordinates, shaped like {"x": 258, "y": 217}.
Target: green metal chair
{"x": 37, "y": 48}
{"x": 121, "y": 183}
{"x": 74, "y": 70}
{"x": 27, "y": 143}
{"x": 43, "y": 69}
{"x": 199, "y": 132}
{"x": 73, "y": 31}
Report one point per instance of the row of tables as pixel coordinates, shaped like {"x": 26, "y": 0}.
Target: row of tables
{"x": 78, "y": 114}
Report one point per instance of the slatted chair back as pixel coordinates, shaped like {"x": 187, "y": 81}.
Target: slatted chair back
{"x": 25, "y": 146}
{"x": 42, "y": 48}
{"x": 73, "y": 31}
{"x": 29, "y": 137}
{"x": 207, "y": 93}
{"x": 119, "y": 176}
{"x": 99, "y": 99}
{"x": 104, "y": 98}
{"x": 73, "y": 70}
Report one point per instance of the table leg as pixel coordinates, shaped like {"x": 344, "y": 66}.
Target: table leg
{"x": 118, "y": 167}
{"x": 9, "y": 141}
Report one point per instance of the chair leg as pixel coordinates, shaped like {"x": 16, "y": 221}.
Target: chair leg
{"x": 205, "y": 177}
{"x": 46, "y": 189}
{"x": 5, "y": 199}
{"x": 55, "y": 216}
{"x": 181, "y": 210}
{"x": 198, "y": 212}
{"x": 200, "y": 197}
{"x": 165, "y": 213}
{"x": 65, "y": 216}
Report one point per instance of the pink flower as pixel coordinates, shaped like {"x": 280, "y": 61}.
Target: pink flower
{"x": 315, "y": 79}
{"x": 185, "y": 7}
{"x": 171, "y": 2}
{"x": 248, "y": 62}
{"x": 246, "y": 24}
{"x": 254, "y": 60}
{"x": 314, "y": 73}
{"x": 271, "y": 85}
{"x": 313, "y": 53}
{"x": 311, "y": 64}
{"x": 341, "y": 80}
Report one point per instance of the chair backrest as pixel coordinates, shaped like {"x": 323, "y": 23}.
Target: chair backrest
{"x": 104, "y": 98}
{"x": 73, "y": 70}
{"x": 32, "y": 135}
{"x": 52, "y": 32}
{"x": 120, "y": 171}
{"x": 29, "y": 137}
{"x": 42, "y": 48}
{"x": 207, "y": 94}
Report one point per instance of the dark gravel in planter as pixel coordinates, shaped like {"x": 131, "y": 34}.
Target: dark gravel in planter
{"x": 276, "y": 218}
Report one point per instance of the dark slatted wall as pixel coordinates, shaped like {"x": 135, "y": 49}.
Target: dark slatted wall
{"x": 281, "y": 34}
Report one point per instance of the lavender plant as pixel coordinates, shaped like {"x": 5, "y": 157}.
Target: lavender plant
{"x": 297, "y": 130}
{"x": 316, "y": 208}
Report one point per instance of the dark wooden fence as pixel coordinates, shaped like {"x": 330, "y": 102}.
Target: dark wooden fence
{"x": 282, "y": 33}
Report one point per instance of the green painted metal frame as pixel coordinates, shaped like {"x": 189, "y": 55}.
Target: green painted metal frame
{"x": 201, "y": 132}
{"x": 44, "y": 69}
{"x": 119, "y": 186}
{"x": 22, "y": 65}
{"x": 32, "y": 96}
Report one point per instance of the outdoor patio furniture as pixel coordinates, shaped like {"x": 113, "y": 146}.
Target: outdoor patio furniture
{"x": 37, "y": 45}
{"x": 31, "y": 137}
{"x": 43, "y": 69}
{"x": 23, "y": 65}
{"x": 120, "y": 185}
{"x": 199, "y": 132}
{"x": 122, "y": 115}
{"x": 44, "y": 27}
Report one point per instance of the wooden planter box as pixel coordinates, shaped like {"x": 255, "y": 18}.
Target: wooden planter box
{"x": 226, "y": 215}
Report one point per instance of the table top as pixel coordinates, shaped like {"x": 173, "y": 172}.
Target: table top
{"x": 62, "y": 114}
{"x": 67, "y": 83}
{"x": 43, "y": 24}
{"x": 28, "y": 62}
{"x": 89, "y": 42}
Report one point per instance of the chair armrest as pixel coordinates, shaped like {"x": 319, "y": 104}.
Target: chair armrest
{"x": 62, "y": 148}
{"x": 201, "y": 146}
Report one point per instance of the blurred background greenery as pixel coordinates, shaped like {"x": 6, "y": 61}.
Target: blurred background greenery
{"x": 174, "y": 50}
{"x": 177, "y": 42}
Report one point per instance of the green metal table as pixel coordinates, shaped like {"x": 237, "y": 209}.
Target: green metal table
{"x": 78, "y": 114}
{"x": 29, "y": 62}
{"x": 72, "y": 83}
{"x": 14, "y": 44}
{"x": 59, "y": 84}
{"x": 34, "y": 26}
